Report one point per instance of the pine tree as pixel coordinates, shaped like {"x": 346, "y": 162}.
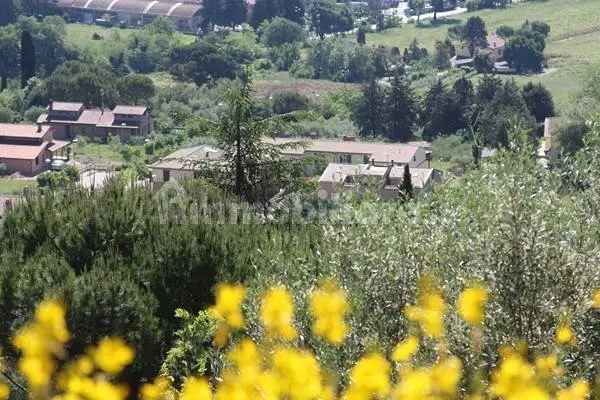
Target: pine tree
{"x": 369, "y": 111}
{"x": 7, "y": 12}
{"x": 441, "y": 113}
{"x": 401, "y": 110}
{"x": 234, "y": 12}
{"x": 293, "y": 10}
{"x": 264, "y": 10}
{"x": 27, "y": 58}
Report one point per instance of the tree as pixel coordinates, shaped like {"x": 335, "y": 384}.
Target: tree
{"x": 136, "y": 89}
{"x": 9, "y": 48}
{"x": 280, "y": 31}
{"x": 441, "y": 115}
{"x": 475, "y": 34}
{"x": 7, "y": 12}
{"x": 443, "y": 52}
{"x": 268, "y": 9}
{"x": 369, "y": 110}
{"x": 27, "y": 58}
{"x": 438, "y": 5}
{"x": 361, "y": 36}
{"x": 483, "y": 62}
{"x": 539, "y": 101}
{"x": 406, "y": 188}
{"x": 212, "y": 13}
{"x": 418, "y": 6}
{"x": 505, "y": 31}
{"x": 525, "y": 51}
{"x": 401, "y": 110}
{"x": 234, "y": 12}
{"x": 288, "y": 101}
{"x": 327, "y": 16}
{"x": 253, "y": 169}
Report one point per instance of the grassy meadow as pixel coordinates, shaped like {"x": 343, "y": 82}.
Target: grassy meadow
{"x": 13, "y": 186}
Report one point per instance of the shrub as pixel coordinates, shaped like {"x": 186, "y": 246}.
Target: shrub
{"x": 472, "y": 5}
{"x": 286, "y": 102}
{"x": 280, "y": 31}
{"x": 4, "y": 170}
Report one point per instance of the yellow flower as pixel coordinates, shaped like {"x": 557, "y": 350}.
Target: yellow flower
{"x": 596, "y": 299}
{"x": 112, "y": 355}
{"x": 415, "y": 384}
{"x": 429, "y": 310}
{"x": 104, "y": 390}
{"x": 579, "y": 390}
{"x": 471, "y": 304}
{"x": 565, "y": 334}
{"x": 277, "y": 313}
{"x": 446, "y": 375}
{"x": 50, "y": 314}
{"x": 246, "y": 358}
{"x": 4, "y": 391}
{"x": 370, "y": 377}
{"x": 298, "y": 374}
{"x": 328, "y": 307}
{"x": 155, "y": 390}
{"x": 515, "y": 379}
{"x": 37, "y": 369}
{"x": 406, "y": 349}
{"x": 196, "y": 389}
{"x": 548, "y": 365}
{"x": 229, "y": 305}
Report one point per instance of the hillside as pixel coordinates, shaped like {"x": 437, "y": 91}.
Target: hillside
{"x": 575, "y": 31}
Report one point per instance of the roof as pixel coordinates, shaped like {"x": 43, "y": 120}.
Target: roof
{"x": 377, "y": 151}
{"x": 185, "y": 158}
{"x": 23, "y": 131}
{"x": 66, "y": 106}
{"x": 167, "y": 8}
{"x": 337, "y": 173}
{"x": 57, "y": 145}
{"x": 20, "y": 152}
{"x": 130, "y": 110}
{"x": 495, "y": 42}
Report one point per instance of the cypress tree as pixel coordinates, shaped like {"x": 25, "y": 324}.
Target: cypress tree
{"x": 406, "y": 189}
{"x": 234, "y": 12}
{"x": 7, "y": 12}
{"x": 212, "y": 13}
{"x": 293, "y": 10}
{"x": 369, "y": 111}
{"x": 27, "y": 58}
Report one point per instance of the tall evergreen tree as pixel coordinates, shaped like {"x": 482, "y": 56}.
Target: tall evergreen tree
{"x": 406, "y": 188}
{"x": 7, "y": 12}
{"x": 441, "y": 113}
{"x": 539, "y": 101}
{"x": 293, "y": 10}
{"x": 212, "y": 13}
{"x": 264, "y": 10}
{"x": 234, "y": 12}
{"x": 369, "y": 111}
{"x": 9, "y": 48}
{"x": 401, "y": 110}
{"x": 27, "y": 58}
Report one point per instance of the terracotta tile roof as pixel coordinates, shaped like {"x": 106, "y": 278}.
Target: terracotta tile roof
{"x": 495, "y": 41}
{"x": 66, "y": 106}
{"x": 380, "y": 152}
{"x": 90, "y": 117}
{"x": 130, "y": 110}
{"x": 18, "y": 152}
{"x": 57, "y": 145}
{"x": 23, "y": 131}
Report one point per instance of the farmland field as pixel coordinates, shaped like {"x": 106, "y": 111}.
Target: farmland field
{"x": 575, "y": 34}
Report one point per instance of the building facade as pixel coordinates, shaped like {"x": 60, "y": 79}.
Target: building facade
{"x": 74, "y": 119}
{"x": 29, "y": 149}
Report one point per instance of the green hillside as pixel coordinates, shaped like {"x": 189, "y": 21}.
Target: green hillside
{"x": 575, "y": 33}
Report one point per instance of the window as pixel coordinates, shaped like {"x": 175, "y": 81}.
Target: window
{"x": 365, "y": 159}
{"x": 345, "y": 159}
{"x": 166, "y": 175}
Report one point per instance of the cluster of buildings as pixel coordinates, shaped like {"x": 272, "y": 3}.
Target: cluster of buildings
{"x": 494, "y": 51}
{"x": 32, "y": 148}
{"x": 351, "y": 165}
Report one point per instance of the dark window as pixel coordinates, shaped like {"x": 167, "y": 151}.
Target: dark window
{"x": 166, "y": 175}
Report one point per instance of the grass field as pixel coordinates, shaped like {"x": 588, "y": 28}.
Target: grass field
{"x": 113, "y": 40}
{"x": 12, "y": 186}
{"x": 571, "y": 47}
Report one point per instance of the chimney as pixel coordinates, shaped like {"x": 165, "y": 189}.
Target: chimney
{"x": 39, "y": 128}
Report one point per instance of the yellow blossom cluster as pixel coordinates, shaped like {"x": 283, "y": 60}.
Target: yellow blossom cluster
{"x": 328, "y": 306}
{"x": 278, "y": 369}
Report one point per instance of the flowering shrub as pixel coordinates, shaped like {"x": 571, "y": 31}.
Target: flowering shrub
{"x": 278, "y": 368}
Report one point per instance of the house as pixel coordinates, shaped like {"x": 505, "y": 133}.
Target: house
{"x": 351, "y": 151}
{"x": 74, "y": 119}
{"x": 385, "y": 180}
{"x": 495, "y": 46}
{"x": 184, "y": 13}
{"x": 183, "y": 163}
{"x": 29, "y": 149}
